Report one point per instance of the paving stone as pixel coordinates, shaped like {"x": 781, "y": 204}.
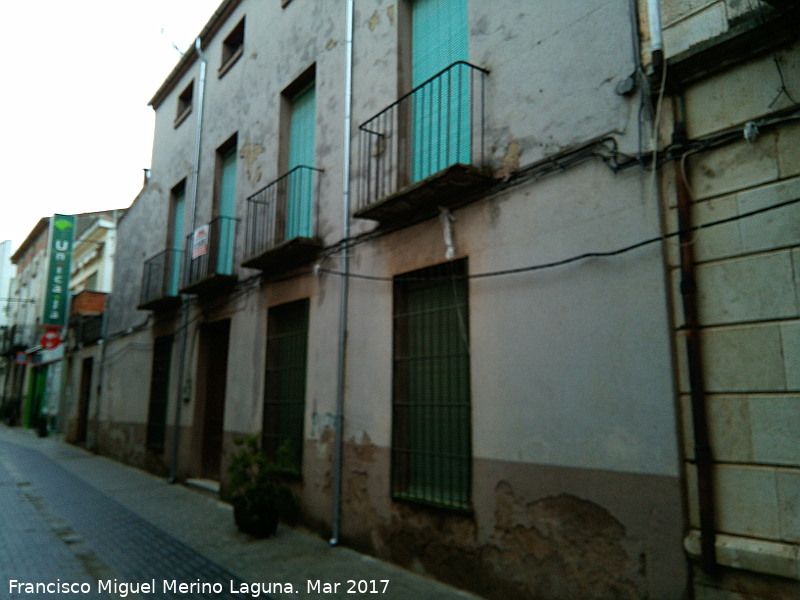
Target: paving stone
{"x": 105, "y": 520}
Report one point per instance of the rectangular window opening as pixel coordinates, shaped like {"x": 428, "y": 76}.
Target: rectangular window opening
{"x": 159, "y": 394}
{"x": 431, "y": 408}
{"x": 232, "y": 48}
{"x": 296, "y": 210}
{"x": 285, "y": 384}
{"x": 184, "y": 104}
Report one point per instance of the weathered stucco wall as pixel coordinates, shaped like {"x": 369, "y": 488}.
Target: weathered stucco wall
{"x": 575, "y": 477}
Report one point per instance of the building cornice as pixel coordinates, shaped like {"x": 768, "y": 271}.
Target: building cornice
{"x": 186, "y": 61}
{"x": 33, "y": 237}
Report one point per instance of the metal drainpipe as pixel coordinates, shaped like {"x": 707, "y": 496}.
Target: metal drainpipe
{"x": 176, "y": 434}
{"x": 104, "y": 347}
{"x": 704, "y": 461}
{"x": 198, "y": 131}
{"x": 336, "y": 519}
{"x": 100, "y": 383}
{"x": 656, "y": 38}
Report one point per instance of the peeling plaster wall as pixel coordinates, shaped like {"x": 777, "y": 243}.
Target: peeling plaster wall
{"x": 557, "y": 70}
{"x": 593, "y": 399}
{"x": 537, "y": 531}
{"x": 576, "y": 468}
{"x": 280, "y": 44}
{"x": 571, "y": 368}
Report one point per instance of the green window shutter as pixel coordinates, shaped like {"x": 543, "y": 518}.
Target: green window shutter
{"x": 299, "y": 208}
{"x": 227, "y": 210}
{"x": 431, "y": 421}
{"x": 227, "y": 204}
{"x": 439, "y": 37}
{"x": 441, "y": 109}
{"x": 178, "y": 208}
{"x": 285, "y": 381}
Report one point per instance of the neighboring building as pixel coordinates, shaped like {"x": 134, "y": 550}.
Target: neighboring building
{"x": 7, "y": 271}
{"x": 34, "y": 388}
{"x": 27, "y": 384}
{"x": 90, "y": 283}
{"x": 400, "y": 298}
{"x": 730, "y": 126}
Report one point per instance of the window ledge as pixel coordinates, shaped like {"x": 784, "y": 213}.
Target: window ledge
{"x": 447, "y": 188}
{"x": 761, "y": 556}
{"x": 423, "y": 501}
{"x": 230, "y": 62}
{"x": 182, "y": 117}
{"x": 291, "y": 253}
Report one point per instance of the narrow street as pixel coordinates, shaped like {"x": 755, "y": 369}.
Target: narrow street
{"x": 94, "y": 528}
{"x": 59, "y": 529}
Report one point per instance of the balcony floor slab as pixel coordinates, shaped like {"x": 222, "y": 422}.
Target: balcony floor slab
{"x": 446, "y": 188}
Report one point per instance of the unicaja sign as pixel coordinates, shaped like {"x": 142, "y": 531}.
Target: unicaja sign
{"x": 62, "y": 233}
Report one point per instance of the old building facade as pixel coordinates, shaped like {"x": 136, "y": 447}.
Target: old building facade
{"x": 94, "y": 250}
{"x": 35, "y": 391}
{"x": 730, "y": 128}
{"x": 421, "y": 245}
{"x": 29, "y": 378}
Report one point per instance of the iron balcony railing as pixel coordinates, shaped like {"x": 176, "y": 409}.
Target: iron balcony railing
{"x": 283, "y": 210}
{"x": 161, "y": 276}
{"x": 87, "y": 329}
{"x": 209, "y": 251}
{"x": 6, "y": 339}
{"x": 17, "y": 337}
{"x": 437, "y": 124}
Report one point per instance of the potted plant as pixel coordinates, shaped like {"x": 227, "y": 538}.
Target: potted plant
{"x": 257, "y": 489}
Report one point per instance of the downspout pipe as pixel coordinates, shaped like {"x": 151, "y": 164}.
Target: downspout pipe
{"x": 336, "y": 518}
{"x": 183, "y": 389}
{"x": 198, "y": 130}
{"x": 95, "y": 447}
{"x": 656, "y": 35}
{"x": 703, "y": 457}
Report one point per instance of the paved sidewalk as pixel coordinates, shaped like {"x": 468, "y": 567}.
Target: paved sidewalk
{"x": 103, "y": 520}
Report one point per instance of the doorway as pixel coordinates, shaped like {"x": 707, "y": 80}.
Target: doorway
{"x": 83, "y": 400}
{"x": 209, "y": 420}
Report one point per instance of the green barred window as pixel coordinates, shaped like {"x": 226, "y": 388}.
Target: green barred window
{"x": 431, "y": 420}
{"x": 285, "y": 384}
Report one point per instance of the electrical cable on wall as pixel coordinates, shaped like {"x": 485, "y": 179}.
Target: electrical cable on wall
{"x": 588, "y": 255}
{"x": 604, "y": 148}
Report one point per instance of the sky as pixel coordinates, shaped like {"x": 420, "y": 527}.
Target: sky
{"x": 75, "y": 126}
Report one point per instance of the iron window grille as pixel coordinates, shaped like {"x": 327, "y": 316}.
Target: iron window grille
{"x": 431, "y": 408}
{"x": 285, "y": 381}
{"x": 232, "y": 48}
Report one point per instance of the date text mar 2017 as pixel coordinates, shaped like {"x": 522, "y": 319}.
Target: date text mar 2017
{"x": 352, "y": 586}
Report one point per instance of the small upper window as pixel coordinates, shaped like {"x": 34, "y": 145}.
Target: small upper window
{"x": 184, "y": 104}
{"x": 232, "y": 48}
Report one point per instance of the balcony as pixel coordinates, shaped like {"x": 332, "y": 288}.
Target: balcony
{"x": 282, "y": 222}
{"x": 426, "y": 150}
{"x": 160, "y": 281}
{"x": 208, "y": 261}
{"x": 16, "y": 338}
{"x": 86, "y": 329}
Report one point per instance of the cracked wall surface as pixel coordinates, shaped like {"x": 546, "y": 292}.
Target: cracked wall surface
{"x": 599, "y": 537}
